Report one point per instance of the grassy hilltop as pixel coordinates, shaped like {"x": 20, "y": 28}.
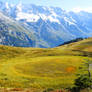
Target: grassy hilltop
{"x": 38, "y": 68}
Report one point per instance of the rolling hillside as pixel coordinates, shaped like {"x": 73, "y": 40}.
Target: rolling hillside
{"x": 40, "y": 69}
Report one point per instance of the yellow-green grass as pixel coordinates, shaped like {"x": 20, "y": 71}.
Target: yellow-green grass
{"x": 84, "y": 45}
{"x": 43, "y": 68}
{"x": 54, "y": 72}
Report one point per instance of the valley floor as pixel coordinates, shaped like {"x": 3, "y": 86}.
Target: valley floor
{"x": 44, "y": 69}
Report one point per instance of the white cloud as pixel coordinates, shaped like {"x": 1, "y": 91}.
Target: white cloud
{"x": 78, "y": 9}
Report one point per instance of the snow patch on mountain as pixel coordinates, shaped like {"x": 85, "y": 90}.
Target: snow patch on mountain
{"x": 51, "y": 18}
{"x": 73, "y": 20}
{"x": 19, "y": 7}
{"x": 7, "y": 5}
{"x": 1, "y": 39}
{"x": 44, "y": 8}
{"x": 70, "y": 22}
{"x": 53, "y": 13}
{"x": 28, "y": 17}
{"x": 43, "y": 16}
{"x": 10, "y": 31}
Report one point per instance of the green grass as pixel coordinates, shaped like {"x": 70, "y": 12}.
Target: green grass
{"x": 43, "y": 68}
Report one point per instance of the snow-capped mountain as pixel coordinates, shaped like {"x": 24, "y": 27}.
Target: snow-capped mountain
{"x": 14, "y": 34}
{"x": 50, "y": 26}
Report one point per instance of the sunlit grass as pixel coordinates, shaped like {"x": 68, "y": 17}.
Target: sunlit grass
{"x": 43, "y": 68}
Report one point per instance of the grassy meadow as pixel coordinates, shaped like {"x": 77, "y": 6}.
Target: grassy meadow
{"x": 39, "y": 69}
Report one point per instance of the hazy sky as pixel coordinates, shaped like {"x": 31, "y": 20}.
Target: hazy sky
{"x": 65, "y": 4}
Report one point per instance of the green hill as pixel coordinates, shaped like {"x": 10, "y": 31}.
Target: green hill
{"x": 37, "y": 68}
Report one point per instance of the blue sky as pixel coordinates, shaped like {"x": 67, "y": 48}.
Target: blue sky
{"x": 65, "y": 4}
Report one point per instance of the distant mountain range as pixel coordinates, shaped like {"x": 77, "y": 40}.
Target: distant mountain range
{"x": 39, "y": 26}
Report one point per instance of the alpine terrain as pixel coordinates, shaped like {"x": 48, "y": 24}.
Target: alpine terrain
{"x": 39, "y": 26}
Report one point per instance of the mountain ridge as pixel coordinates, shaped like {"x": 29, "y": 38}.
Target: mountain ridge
{"x": 49, "y": 26}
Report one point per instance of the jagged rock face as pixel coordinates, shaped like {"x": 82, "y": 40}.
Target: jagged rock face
{"x": 38, "y": 26}
{"x": 12, "y": 33}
